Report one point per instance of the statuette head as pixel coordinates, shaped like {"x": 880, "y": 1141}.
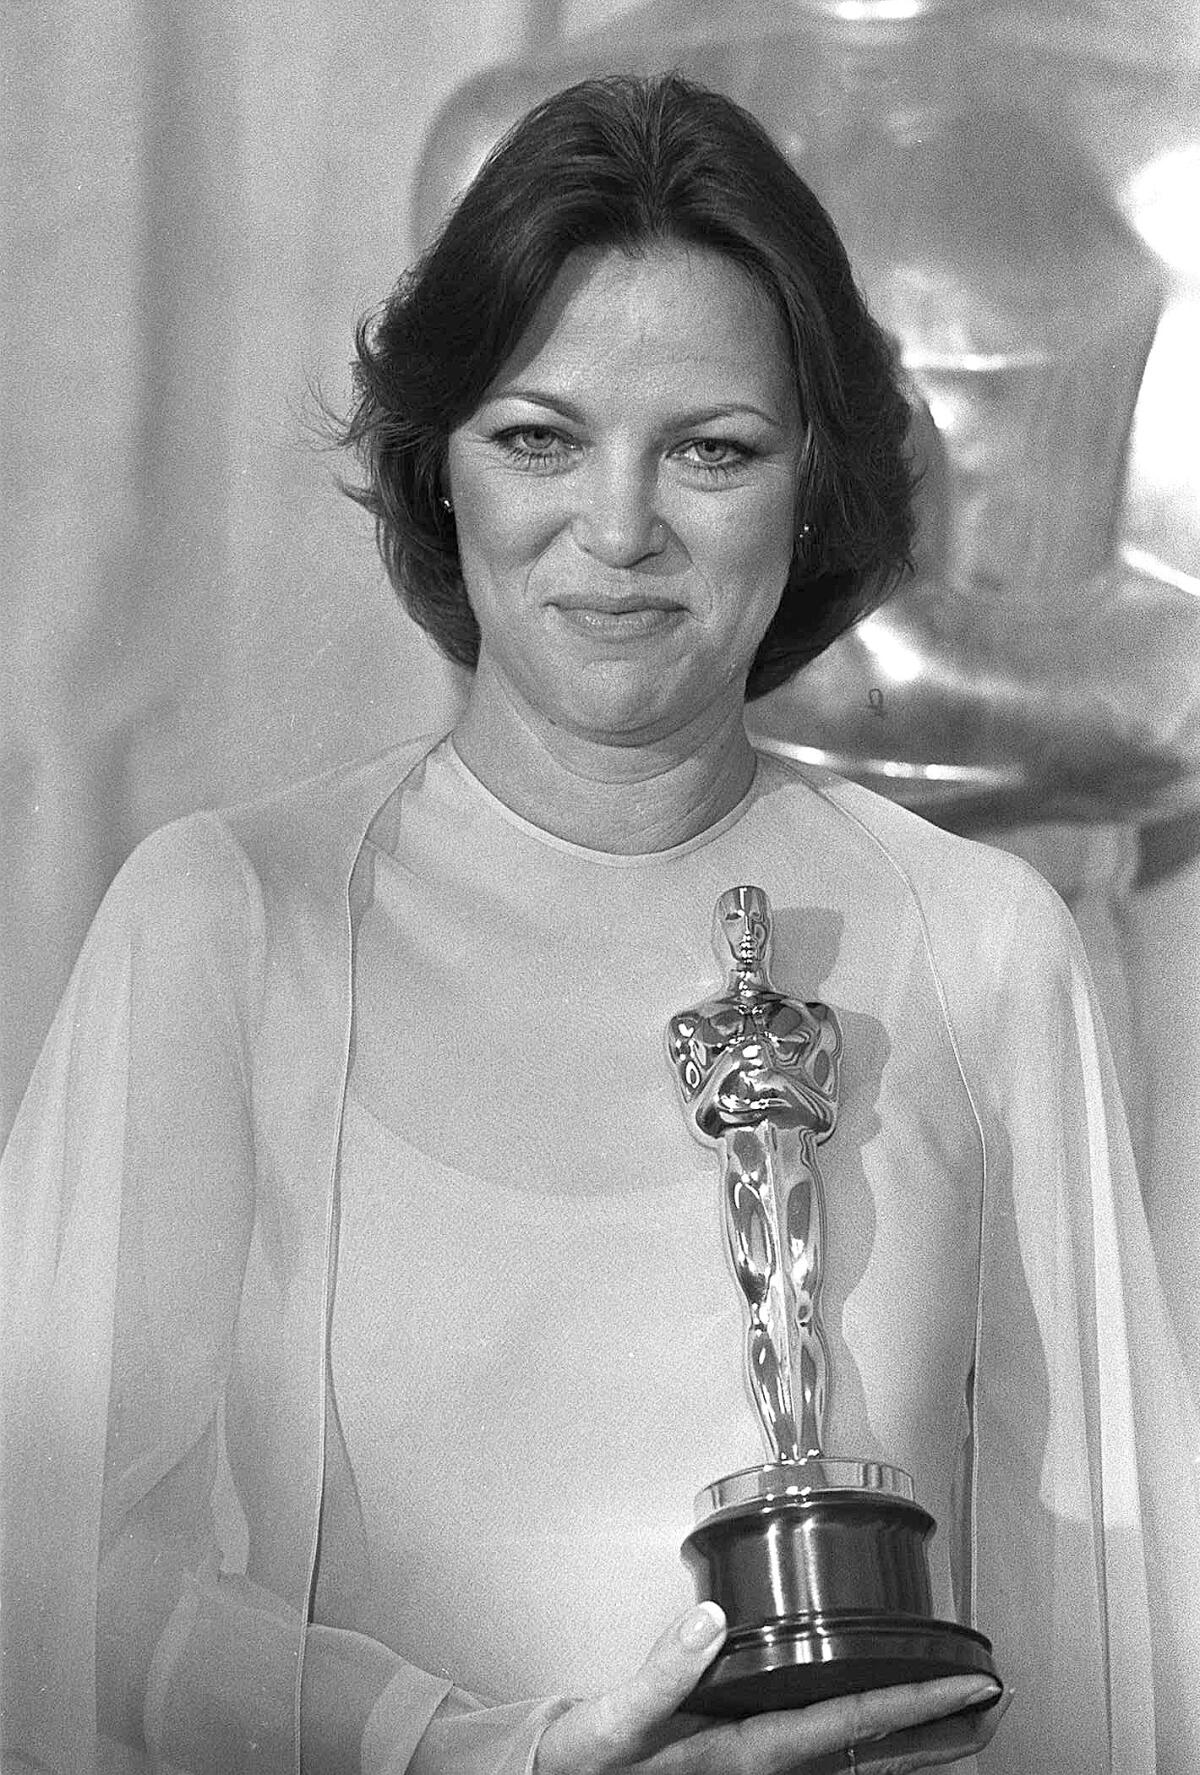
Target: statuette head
{"x": 742, "y": 938}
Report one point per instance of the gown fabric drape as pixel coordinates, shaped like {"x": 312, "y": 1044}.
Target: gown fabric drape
{"x": 170, "y": 1203}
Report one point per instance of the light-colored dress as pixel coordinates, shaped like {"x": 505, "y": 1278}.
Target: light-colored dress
{"x": 472, "y": 1221}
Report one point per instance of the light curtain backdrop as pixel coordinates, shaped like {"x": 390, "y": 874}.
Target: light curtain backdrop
{"x": 200, "y": 199}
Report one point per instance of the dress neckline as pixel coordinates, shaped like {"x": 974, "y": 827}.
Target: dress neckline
{"x": 448, "y": 753}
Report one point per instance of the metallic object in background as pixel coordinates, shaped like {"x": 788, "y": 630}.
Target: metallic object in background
{"x": 818, "y": 1562}
{"x": 999, "y": 176}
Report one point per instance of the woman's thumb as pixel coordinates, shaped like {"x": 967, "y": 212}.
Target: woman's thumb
{"x": 677, "y": 1661}
{"x": 624, "y": 1723}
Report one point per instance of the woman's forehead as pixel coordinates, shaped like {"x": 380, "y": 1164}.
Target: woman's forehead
{"x": 655, "y": 322}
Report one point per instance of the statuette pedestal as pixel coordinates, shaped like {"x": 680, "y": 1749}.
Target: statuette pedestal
{"x": 820, "y": 1568}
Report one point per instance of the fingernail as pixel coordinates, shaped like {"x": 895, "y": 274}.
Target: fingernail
{"x": 985, "y": 1691}
{"x": 701, "y": 1625}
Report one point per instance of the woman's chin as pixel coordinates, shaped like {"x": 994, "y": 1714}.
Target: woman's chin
{"x": 634, "y": 715}
{"x": 623, "y": 695}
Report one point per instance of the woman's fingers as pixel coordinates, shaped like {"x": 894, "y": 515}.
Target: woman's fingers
{"x": 636, "y": 1724}
{"x": 627, "y": 1723}
{"x": 930, "y": 1746}
{"x": 893, "y": 1731}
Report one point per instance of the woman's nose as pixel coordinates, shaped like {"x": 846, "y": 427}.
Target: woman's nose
{"x": 617, "y": 521}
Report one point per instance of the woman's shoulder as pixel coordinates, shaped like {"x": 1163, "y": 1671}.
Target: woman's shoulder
{"x": 216, "y": 872}
{"x": 188, "y": 872}
{"x": 996, "y": 933}
{"x": 310, "y": 826}
{"x": 948, "y": 874}
{"x": 1002, "y": 945}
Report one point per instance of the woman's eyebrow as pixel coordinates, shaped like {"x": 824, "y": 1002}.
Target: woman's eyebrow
{"x": 690, "y": 416}
{"x": 728, "y": 410}
{"x": 538, "y": 398}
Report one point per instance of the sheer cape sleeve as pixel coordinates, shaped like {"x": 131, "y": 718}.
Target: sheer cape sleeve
{"x": 1087, "y": 1504}
{"x": 167, "y": 1201}
{"x": 128, "y": 1197}
{"x": 1083, "y": 1509}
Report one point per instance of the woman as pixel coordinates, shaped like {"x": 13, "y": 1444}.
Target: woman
{"x": 374, "y": 1327}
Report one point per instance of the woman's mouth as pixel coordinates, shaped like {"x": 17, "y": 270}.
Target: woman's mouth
{"x": 620, "y": 622}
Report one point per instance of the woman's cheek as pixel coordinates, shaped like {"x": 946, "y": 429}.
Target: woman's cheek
{"x": 755, "y": 555}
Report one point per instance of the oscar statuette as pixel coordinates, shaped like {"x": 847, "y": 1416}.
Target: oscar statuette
{"x": 818, "y": 1561}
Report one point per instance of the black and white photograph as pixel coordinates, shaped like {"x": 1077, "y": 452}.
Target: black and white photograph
{"x": 600, "y": 888}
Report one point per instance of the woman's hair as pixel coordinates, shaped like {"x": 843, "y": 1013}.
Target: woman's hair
{"x": 627, "y": 163}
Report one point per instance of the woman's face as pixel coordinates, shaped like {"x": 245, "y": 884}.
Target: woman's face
{"x": 625, "y": 496}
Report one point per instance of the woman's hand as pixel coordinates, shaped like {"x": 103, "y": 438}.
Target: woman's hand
{"x": 636, "y": 1726}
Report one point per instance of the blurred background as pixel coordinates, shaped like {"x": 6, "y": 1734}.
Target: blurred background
{"x": 201, "y": 200}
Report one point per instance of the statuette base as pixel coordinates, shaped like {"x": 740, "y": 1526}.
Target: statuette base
{"x": 826, "y": 1591}
{"x": 792, "y": 1663}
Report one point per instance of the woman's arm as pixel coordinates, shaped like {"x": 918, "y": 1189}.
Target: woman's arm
{"x": 130, "y": 1196}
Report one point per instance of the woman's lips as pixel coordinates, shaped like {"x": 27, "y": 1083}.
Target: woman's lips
{"x": 620, "y": 623}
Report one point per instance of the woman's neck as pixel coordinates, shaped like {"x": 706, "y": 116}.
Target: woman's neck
{"x": 626, "y": 798}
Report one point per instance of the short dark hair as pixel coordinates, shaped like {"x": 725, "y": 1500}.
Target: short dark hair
{"x": 627, "y": 162}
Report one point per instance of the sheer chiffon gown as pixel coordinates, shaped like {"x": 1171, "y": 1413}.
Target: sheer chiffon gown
{"x": 366, "y": 1303}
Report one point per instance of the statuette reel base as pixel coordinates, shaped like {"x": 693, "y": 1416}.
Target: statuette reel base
{"x": 826, "y": 1589}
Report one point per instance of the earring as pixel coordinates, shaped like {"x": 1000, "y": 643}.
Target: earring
{"x": 806, "y": 530}
{"x": 446, "y": 503}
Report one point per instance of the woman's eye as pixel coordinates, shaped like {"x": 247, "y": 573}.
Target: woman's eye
{"x": 533, "y": 445}
{"x": 717, "y": 456}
